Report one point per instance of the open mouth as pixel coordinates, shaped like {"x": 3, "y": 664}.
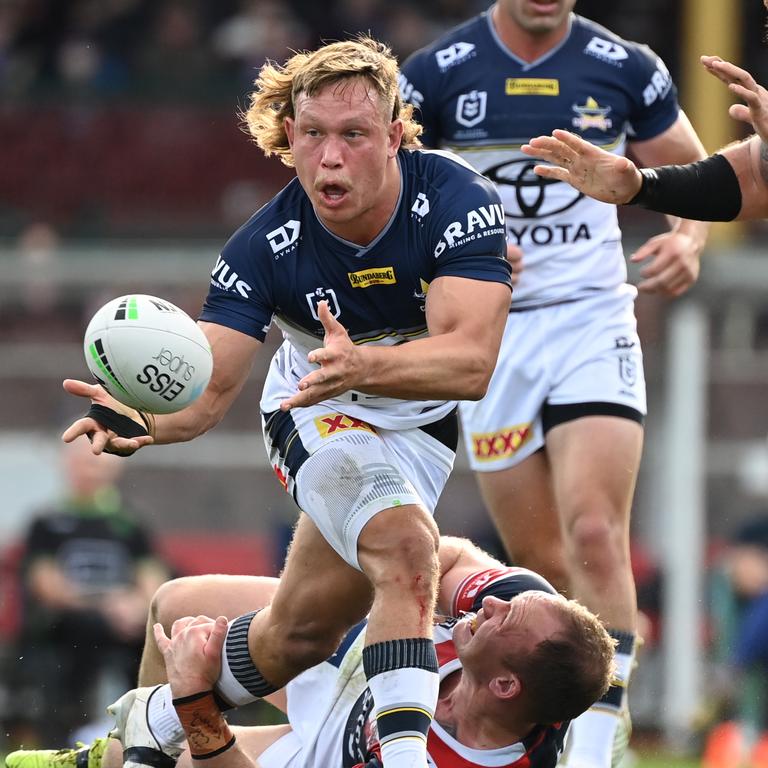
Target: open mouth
{"x": 332, "y": 194}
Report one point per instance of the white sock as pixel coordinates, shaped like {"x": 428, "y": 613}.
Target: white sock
{"x": 402, "y": 676}
{"x": 163, "y": 720}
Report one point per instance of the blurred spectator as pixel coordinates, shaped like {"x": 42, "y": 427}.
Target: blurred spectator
{"x": 88, "y": 573}
{"x": 740, "y": 615}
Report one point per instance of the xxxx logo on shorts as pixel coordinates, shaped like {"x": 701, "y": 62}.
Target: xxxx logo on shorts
{"x": 493, "y": 446}
{"x": 338, "y": 422}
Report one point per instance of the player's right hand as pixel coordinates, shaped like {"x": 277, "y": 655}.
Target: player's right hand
{"x": 102, "y": 438}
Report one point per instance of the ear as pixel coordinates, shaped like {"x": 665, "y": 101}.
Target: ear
{"x": 396, "y": 130}
{"x": 289, "y": 124}
{"x": 506, "y": 687}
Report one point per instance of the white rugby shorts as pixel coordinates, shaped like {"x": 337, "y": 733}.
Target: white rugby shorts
{"x": 585, "y": 351}
{"x": 342, "y": 471}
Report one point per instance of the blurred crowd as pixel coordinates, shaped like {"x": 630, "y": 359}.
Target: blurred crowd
{"x": 180, "y": 50}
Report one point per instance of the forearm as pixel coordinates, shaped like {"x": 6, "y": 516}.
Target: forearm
{"x": 436, "y": 368}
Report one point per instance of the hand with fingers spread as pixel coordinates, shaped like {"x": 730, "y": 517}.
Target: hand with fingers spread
{"x": 743, "y": 85}
{"x": 593, "y": 171}
{"x": 120, "y": 436}
{"x": 192, "y": 653}
{"x": 339, "y": 365}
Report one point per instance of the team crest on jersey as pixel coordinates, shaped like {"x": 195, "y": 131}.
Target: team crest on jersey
{"x": 606, "y": 50}
{"x": 374, "y": 276}
{"x": 532, "y": 86}
{"x": 279, "y": 239}
{"x": 493, "y": 446}
{"x": 323, "y": 294}
{"x": 591, "y": 115}
{"x": 333, "y": 423}
{"x": 627, "y": 363}
{"x": 470, "y": 108}
{"x": 454, "y": 54}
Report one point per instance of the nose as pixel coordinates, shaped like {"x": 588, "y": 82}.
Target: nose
{"x": 492, "y": 605}
{"x": 332, "y": 153}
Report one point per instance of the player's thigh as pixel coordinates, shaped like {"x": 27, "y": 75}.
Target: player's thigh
{"x": 318, "y": 590}
{"x": 521, "y": 503}
{"x": 595, "y": 461}
{"x": 212, "y": 595}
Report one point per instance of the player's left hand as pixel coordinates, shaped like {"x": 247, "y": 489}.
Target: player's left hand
{"x": 743, "y": 85}
{"x": 192, "y": 653}
{"x": 339, "y": 361}
{"x": 672, "y": 264}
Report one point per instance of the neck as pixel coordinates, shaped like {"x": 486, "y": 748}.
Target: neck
{"x": 474, "y": 718}
{"x": 527, "y": 46}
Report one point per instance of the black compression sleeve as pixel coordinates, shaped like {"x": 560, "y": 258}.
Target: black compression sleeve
{"x": 707, "y": 190}
{"x": 117, "y": 422}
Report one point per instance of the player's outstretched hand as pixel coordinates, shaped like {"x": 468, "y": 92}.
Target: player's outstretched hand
{"x": 743, "y": 85}
{"x": 192, "y": 653}
{"x": 593, "y": 171}
{"x": 103, "y": 439}
{"x": 339, "y": 361}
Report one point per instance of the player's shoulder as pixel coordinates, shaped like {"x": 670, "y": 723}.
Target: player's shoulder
{"x": 603, "y": 44}
{"x": 444, "y": 171}
{"x": 455, "y": 46}
{"x": 276, "y": 225}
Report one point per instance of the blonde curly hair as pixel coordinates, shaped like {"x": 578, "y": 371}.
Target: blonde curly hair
{"x": 277, "y": 87}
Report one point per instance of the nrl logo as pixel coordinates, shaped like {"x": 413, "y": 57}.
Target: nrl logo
{"x": 470, "y": 108}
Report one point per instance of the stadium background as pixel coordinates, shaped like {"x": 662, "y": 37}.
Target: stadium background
{"x": 123, "y": 168}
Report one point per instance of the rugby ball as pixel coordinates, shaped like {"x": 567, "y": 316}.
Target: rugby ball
{"x": 148, "y": 354}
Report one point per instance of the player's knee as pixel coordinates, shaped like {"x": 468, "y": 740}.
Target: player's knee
{"x": 398, "y": 550}
{"x": 595, "y": 537}
{"x": 167, "y": 603}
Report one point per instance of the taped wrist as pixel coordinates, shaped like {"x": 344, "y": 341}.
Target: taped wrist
{"x": 707, "y": 190}
{"x": 208, "y": 733}
{"x": 503, "y": 583}
{"x": 124, "y": 426}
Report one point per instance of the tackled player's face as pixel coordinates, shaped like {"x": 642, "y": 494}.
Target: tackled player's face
{"x": 342, "y": 145}
{"x": 537, "y": 17}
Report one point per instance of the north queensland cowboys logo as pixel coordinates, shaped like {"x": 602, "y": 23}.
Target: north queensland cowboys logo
{"x": 470, "y": 108}
{"x": 280, "y": 238}
{"x": 323, "y": 294}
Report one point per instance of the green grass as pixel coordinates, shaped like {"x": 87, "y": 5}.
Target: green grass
{"x": 660, "y": 761}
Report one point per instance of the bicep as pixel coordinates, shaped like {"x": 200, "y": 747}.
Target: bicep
{"x": 750, "y": 162}
{"x": 476, "y": 309}
{"x": 677, "y": 145}
{"x": 233, "y": 356}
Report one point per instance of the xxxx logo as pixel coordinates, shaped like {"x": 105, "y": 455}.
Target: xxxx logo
{"x": 338, "y": 422}
{"x": 492, "y": 446}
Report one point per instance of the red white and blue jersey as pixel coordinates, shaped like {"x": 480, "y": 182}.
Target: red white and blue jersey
{"x": 279, "y": 265}
{"x": 475, "y": 97}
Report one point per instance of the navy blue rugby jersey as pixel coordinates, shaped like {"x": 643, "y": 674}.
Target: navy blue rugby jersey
{"x": 282, "y": 262}
{"x": 475, "y": 97}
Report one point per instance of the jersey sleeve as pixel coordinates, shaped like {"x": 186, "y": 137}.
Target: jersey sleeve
{"x": 504, "y": 583}
{"x": 654, "y": 94}
{"x": 239, "y": 296}
{"x": 418, "y": 76}
{"x": 469, "y": 236}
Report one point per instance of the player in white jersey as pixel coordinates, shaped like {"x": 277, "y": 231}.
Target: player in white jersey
{"x": 367, "y": 261}
{"x": 511, "y": 677}
{"x": 556, "y": 442}
{"x": 731, "y": 184}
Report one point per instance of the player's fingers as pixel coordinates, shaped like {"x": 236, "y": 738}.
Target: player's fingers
{"x": 575, "y": 143}
{"x": 330, "y": 323}
{"x": 80, "y": 388}
{"x": 740, "y": 112}
{"x": 161, "y": 639}
{"x": 217, "y": 637}
{"x": 751, "y": 97}
{"x": 552, "y": 172}
{"x": 80, "y": 427}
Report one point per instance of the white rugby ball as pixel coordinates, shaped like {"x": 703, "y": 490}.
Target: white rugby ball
{"x": 148, "y": 354}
